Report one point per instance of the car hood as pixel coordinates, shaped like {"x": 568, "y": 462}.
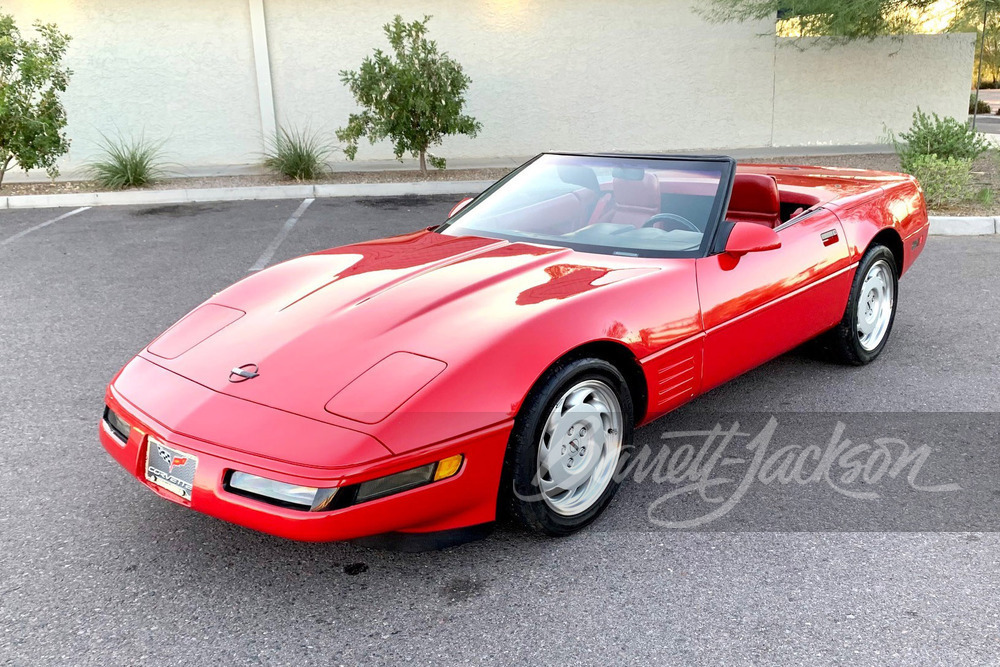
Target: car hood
{"x": 310, "y": 326}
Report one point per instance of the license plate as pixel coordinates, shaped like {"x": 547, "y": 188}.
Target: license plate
{"x": 170, "y": 468}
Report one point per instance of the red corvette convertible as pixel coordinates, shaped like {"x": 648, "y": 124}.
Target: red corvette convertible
{"x": 418, "y": 385}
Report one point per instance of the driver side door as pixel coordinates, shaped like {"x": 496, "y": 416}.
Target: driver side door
{"x": 763, "y": 304}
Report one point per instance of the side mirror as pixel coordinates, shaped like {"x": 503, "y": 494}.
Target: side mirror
{"x": 751, "y": 237}
{"x": 459, "y": 206}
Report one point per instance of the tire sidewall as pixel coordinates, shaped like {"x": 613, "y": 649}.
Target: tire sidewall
{"x": 873, "y": 255}
{"x": 522, "y": 458}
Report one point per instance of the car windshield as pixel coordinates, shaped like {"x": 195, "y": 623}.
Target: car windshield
{"x": 663, "y": 207}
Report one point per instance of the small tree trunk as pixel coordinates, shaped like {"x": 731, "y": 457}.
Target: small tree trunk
{"x": 423, "y": 163}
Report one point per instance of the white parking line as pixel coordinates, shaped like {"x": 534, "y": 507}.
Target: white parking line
{"x": 282, "y": 233}
{"x": 27, "y": 231}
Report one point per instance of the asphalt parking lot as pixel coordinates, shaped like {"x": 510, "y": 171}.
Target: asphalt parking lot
{"x": 97, "y": 570}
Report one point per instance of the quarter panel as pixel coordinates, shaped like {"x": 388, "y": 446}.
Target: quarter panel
{"x": 899, "y": 206}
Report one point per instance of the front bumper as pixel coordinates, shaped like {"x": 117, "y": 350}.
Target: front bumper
{"x": 466, "y": 499}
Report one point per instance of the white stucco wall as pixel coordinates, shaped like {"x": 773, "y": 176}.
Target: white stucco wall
{"x": 851, "y": 94}
{"x": 180, "y": 71}
{"x": 643, "y": 75}
{"x": 568, "y": 74}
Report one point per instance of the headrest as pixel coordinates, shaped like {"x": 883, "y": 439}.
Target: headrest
{"x": 755, "y": 193}
{"x": 628, "y": 174}
{"x": 575, "y": 174}
{"x": 641, "y": 193}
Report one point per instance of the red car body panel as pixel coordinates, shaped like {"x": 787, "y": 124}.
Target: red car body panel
{"x": 753, "y": 306}
{"x": 469, "y": 498}
{"x": 466, "y": 301}
{"x": 383, "y": 356}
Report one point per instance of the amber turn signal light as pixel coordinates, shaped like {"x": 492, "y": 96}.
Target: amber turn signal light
{"x": 448, "y": 467}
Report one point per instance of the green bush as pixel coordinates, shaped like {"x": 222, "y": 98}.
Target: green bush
{"x": 298, "y": 154}
{"x": 944, "y": 180}
{"x": 944, "y": 137}
{"x": 127, "y": 163}
{"x": 978, "y": 106}
{"x": 32, "y": 81}
{"x": 985, "y": 196}
{"x": 413, "y": 96}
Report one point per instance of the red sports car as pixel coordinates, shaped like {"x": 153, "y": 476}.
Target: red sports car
{"x": 423, "y": 383}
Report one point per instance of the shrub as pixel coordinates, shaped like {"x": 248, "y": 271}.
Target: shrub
{"x": 414, "y": 96}
{"x": 978, "y": 106}
{"x": 127, "y": 163}
{"x": 944, "y": 180}
{"x": 32, "y": 79}
{"x": 299, "y": 154}
{"x": 985, "y": 196}
{"x": 944, "y": 137}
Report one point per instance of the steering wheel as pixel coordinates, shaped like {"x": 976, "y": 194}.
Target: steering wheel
{"x": 672, "y": 217}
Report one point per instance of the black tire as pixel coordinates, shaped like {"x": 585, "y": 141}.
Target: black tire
{"x": 519, "y": 489}
{"x": 844, "y": 340}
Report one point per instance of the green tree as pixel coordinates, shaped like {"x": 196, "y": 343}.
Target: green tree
{"x": 845, "y": 20}
{"x": 414, "y": 97}
{"x": 969, "y": 18}
{"x": 32, "y": 116}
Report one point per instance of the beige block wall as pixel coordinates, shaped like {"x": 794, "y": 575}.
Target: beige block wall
{"x": 641, "y": 75}
{"x": 181, "y": 71}
{"x": 566, "y": 74}
{"x": 850, "y": 94}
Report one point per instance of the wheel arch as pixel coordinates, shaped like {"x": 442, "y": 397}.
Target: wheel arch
{"x": 891, "y": 239}
{"x": 621, "y": 357}
{"x": 609, "y": 351}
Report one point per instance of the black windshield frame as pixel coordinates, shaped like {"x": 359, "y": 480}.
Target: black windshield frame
{"x": 725, "y": 165}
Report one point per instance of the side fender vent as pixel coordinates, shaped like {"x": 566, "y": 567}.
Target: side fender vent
{"x": 675, "y": 382}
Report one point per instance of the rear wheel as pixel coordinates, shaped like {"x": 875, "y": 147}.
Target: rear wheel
{"x": 566, "y": 445}
{"x": 871, "y": 309}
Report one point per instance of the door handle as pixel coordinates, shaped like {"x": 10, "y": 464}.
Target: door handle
{"x": 829, "y": 237}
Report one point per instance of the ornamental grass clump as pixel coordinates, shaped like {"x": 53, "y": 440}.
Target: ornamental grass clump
{"x": 127, "y": 162}
{"x": 301, "y": 155}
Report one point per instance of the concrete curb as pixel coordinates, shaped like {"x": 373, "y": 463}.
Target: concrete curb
{"x": 963, "y": 226}
{"x": 145, "y": 197}
{"x": 940, "y": 225}
{"x": 78, "y": 173}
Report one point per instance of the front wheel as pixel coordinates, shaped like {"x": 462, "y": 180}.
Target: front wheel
{"x": 566, "y": 445}
{"x": 871, "y": 309}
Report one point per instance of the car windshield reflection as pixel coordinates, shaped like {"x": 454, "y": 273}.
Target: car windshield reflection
{"x": 607, "y": 204}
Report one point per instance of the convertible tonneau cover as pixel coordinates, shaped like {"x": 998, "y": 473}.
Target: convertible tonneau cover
{"x": 825, "y": 184}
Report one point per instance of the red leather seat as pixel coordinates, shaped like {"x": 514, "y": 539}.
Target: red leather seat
{"x": 755, "y": 199}
{"x": 634, "y": 201}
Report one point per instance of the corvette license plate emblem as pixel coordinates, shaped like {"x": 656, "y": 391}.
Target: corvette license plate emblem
{"x": 170, "y": 468}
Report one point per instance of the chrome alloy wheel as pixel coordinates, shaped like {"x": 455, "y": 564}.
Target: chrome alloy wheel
{"x": 875, "y": 305}
{"x": 579, "y": 448}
